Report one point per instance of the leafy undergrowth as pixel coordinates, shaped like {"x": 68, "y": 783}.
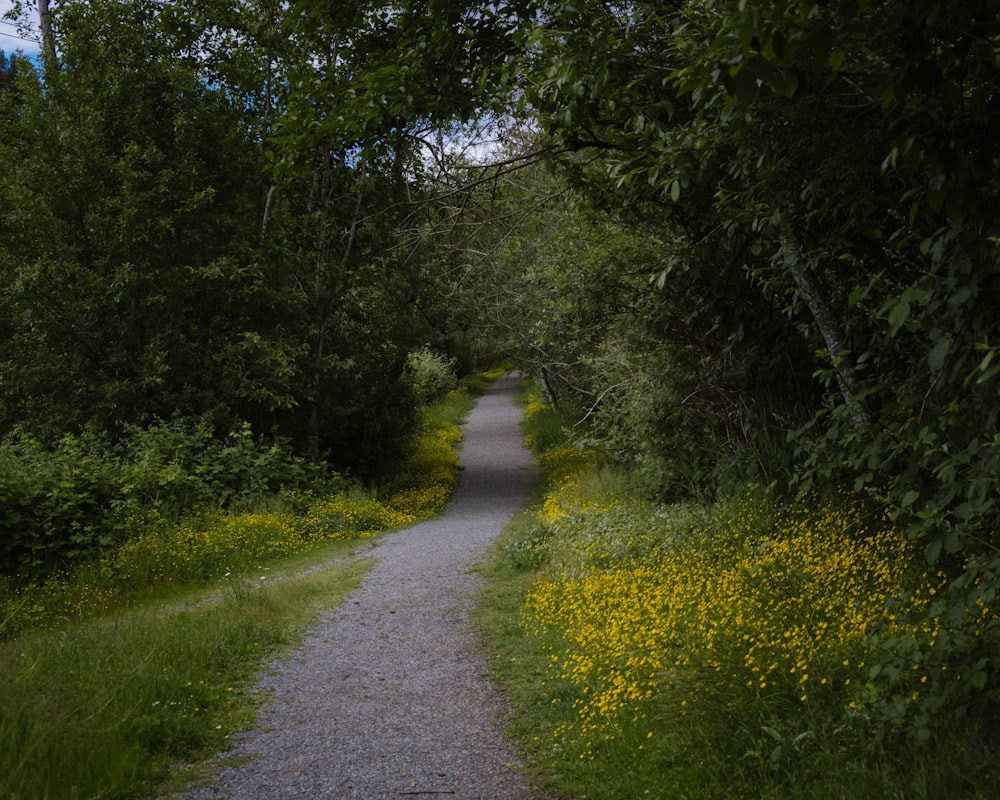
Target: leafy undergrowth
{"x": 163, "y": 555}
{"x": 729, "y": 651}
{"x": 111, "y": 684}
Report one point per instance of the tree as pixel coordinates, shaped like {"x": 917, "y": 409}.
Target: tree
{"x": 8, "y": 72}
{"x": 822, "y": 183}
{"x": 128, "y": 271}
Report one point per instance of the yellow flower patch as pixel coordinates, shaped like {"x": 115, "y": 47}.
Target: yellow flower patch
{"x": 745, "y": 605}
{"x": 429, "y": 474}
{"x": 563, "y": 464}
{"x": 338, "y": 517}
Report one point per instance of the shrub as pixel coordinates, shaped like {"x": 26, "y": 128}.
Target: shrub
{"x": 183, "y": 464}
{"x": 429, "y": 375}
{"x": 159, "y": 545}
{"x": 65, "y": 504}
{"x": 55, "y": 503}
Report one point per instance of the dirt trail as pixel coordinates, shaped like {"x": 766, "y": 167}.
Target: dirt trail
{"x": 388, "y": 696}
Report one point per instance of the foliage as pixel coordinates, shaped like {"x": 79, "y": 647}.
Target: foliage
{"x": 700, "y": 382}
{"x": 175, "y": 240}
{"x": 79, "y": 499}
{"x": 10, "y": 66}
{"x": 147, "y": 544}
{"x": 130, "y": 291}
{"x": 545, "y": 427}
{"x": 182, "y": 466}
{"x": 812, "y": 190}
{"x": 55, "y": 505}
{"x": 766, "y": 252}
{"x": 736, "y": 145}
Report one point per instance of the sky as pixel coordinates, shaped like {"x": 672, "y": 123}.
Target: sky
{"x": 9, "y": 37}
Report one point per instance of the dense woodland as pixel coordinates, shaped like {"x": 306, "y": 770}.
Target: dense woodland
{"x": 739, "y": 243}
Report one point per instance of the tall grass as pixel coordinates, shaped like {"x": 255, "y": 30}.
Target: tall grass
{"x": 103, "y": 708}
{"x": 689, "y": 651}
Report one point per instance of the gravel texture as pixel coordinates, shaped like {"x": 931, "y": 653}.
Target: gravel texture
{"x": 388, "y": 696}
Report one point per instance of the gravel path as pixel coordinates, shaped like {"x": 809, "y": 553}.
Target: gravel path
{"x": 388, "y": 697}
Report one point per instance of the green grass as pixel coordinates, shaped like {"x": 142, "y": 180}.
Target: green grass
{"x": 105, "y": 707}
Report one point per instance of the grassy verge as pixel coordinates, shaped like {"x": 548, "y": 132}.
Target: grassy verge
{"x": 116, "y": 677}
{"x": 712, "y": 652}
{"x": 106, "y": 707}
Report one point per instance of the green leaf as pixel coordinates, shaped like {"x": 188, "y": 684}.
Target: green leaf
{"x": 898, "y": 315}
{"x": 961, "y": 296}
{"x": 858, "y": 294}
{"x": 785, "y": 82}
{"x": 933, "y": 551}
{"x": 985, "y": 370}
{"x": 917, "y": 293}
{"x": 939, "y": 354}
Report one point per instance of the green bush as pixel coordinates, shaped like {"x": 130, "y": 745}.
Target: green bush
{"x": 65, "y": 504}
{"x": 429, "y": 375}
{"x": 184, "y": 464}
{"x": 55, "y": 503}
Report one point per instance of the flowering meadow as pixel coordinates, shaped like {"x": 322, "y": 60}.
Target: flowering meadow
{"x": 780, "y": 604}
{"x": 727, "y": 651}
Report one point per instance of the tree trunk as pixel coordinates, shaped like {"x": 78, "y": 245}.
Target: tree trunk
{"x": 49, "y": 58}
{"x": 550, "y": 395}
{"x": 833, "y": 334}
{"x": 267, "y": 213}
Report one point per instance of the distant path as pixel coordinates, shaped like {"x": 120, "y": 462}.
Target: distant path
{"x": 388, "y": 697}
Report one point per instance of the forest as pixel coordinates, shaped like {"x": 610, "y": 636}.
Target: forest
{"x": 740, "y": 247}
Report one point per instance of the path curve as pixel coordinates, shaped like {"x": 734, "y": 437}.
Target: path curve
{"x": 388, "y": 696}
